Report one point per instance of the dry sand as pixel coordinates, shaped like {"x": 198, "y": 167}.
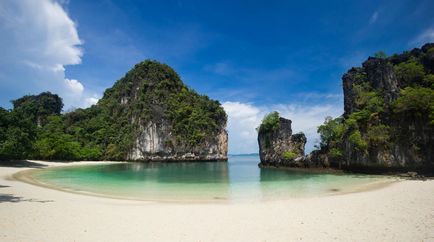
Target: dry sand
{"x": 402, "y": 211}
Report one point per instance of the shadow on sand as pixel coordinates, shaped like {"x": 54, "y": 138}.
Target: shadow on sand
{"x": 14, "y": 199}
{"x": 21, "y": 163}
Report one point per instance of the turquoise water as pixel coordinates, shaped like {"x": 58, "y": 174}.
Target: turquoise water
{"x": 240, "y": 179}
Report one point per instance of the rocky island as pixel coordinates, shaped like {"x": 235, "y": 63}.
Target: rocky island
{"x": 388, "y": 120}
{"x": 387, "y": 126}
{"x": 277, "y": 145}
{"x": 148, "y": 115}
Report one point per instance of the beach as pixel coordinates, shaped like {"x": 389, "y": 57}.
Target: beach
{"x": 401, "y": 211}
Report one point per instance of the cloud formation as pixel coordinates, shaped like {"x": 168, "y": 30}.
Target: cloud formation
{"x": 38, "y": 40}
{"x": 74, "y": 86}
{"x": 424, "y": 37}
{"x": 244, "y": 118}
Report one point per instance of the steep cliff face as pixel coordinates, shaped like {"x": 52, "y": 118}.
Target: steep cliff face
{"x": 277, "y": 145}
{"x": 388, "y": 119}
{"x": 150, "y": 114}
{"x": 156, "y": 142}
{"x": 376, "y": 73}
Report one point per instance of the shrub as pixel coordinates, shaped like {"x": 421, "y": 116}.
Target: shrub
{"x": 378, "y": 135}
{"x": 270, "y": 122}
{"x": 368, "y": 99}
{"x": 356, "y": 139}
{"x": 289, "y": 155}
{"x": 415, "y": 103}
{"x": 410, "y": 72}
{"x": 380, "y": 54}
{"x": 331, "y": 131}
{"x": 336, "y": 153}
{"x": 429, "y": 81}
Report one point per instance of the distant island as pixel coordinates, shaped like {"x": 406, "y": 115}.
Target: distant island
{"x": 149, "y": 114}
{"x": 248, "y": 154}
{"x": 388, "y": 123}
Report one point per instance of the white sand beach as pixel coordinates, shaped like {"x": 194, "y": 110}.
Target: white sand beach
{"x": 402, "y": 211}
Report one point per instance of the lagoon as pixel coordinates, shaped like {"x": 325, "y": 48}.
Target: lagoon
{"x": 238, "y": 180}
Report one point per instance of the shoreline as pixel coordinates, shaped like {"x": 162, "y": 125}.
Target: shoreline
{"x": 402, "y": 172}
{"x": 401, "y": 211}
{"x": 26, "y": 177}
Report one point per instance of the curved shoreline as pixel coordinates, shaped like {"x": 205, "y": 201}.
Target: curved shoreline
{"x": 26, "y": 177}
{"x": 400, "y": 211}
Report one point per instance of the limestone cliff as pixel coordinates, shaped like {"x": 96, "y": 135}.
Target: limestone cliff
{"x": 388, "y": 115}
{"x": 150, "y": 114}
{"x": 155, "y": 141}
{"x": 277, "y": 145}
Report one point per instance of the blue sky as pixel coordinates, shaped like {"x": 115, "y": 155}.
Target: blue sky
{"x": 253, "y": 56}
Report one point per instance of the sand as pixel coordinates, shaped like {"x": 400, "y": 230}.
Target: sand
{"x": 402, "y": 211}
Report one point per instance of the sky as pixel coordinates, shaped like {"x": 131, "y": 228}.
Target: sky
{"x": 253, "y": 56}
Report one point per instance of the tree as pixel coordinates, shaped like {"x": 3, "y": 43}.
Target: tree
{"x": 415, "y": 103}
{"x": 410, "y": 73}
{"x": 331, "y": 132}
{"x": 380, "y": 54}
{"x": 54, "y": 143}
{"x": 39, "y": 107}
{"x": 270, "y": 122}
{"x": 379, "y": 135}
{"x": 17, "y": 134}
{"x": 357, "y": 140}
{"x": 429, "y": 81}
{"x": 289, "y": 155}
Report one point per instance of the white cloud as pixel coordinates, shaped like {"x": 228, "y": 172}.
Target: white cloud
{"x": 38, "y": 39}
{"x": 424, "y": 37}
{"x": 373, "y": 18}
{"x": 244, "y": 118}
{"x": 74, "y": 86}
{"x": 91, "y": 101}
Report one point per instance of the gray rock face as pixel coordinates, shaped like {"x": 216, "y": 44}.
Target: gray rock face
{"x": 411, "y": 141}
{"x": 155, "y": 143}
{"x": 165, "y": 120}
{"x": 378, "y": 73}
{"x": 280, "y": 147}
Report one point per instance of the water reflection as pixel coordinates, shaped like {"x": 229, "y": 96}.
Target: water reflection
{"x": 273, "y": 174}
{"x": 238, "y": 179}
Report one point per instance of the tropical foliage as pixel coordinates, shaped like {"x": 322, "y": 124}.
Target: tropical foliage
{"x": 376, "y": 124}
{"x": 270, "y": 122}
{"x": 151, "y": 91}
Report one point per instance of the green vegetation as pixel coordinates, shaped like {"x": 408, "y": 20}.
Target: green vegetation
{"x": 378, "y": 122}
{"x": 429, "y": 81}
{"x": 150, "y": 92}
{"x": 415, "y": 103}
{"x": 410, "y": 72}
{"x": 270, "y": 122}
{"x": 335, "y": 153}
{"x": 331, "y": 132}
{"x": 363, "y": 128}
{"x": 17, "y": 134}
{"x": 356, "y": 139}
{"x": 194, "y": 117}
{"x": 38, "y": 108}
{"x": 289, "y": 155}
{"x": 380, "y": 54}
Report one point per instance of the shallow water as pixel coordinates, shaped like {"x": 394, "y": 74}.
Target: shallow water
{"x": 240, "y": 179}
